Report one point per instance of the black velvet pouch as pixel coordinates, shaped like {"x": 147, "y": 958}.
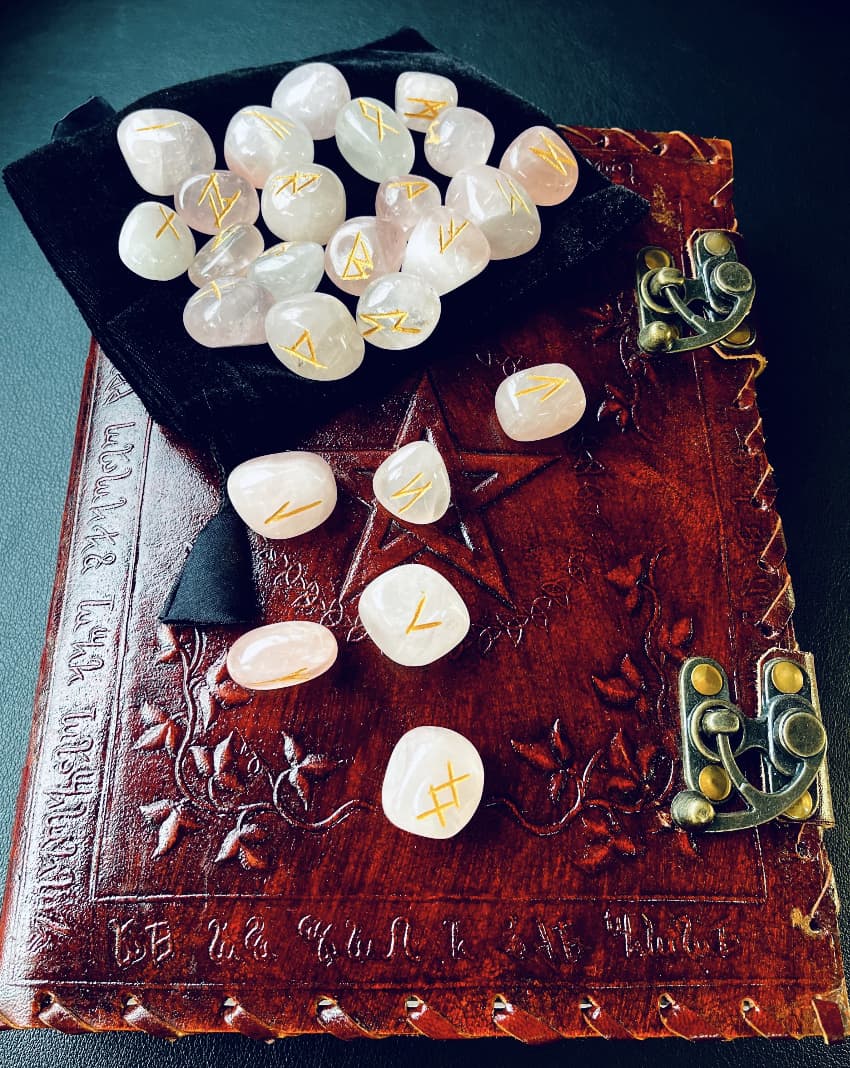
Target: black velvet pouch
{"x": 76, "y": 191}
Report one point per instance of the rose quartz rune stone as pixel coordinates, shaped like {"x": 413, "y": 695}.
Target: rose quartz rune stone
{"x": 499, "y": 205}
{"x": 260, "y": 140}
{"x": 289, "y": 268}
{"x": 210, "y": 201}
{"x": 541, "y": 160}
{"x": 313, "y": 93}
{"x": 458, "y": 137}
{"x": 446, "y": 250}
{"x": 404, "y": 200}
{"x": 281, "y": 654}
{"x": 315, "y": 336}
{"x": 540, "y": 402}
{"x": 283, "y": 494}
{"x": 155, "y": 243}
{"x": 305, "y": 204}
{"x": 398, "y": 311}
{"x": 228, "y": 311}
{"x": 420, "y": 97}
{"x": 373, "y": 140}
{"x": 163, "y": 148}
{"x": 363, "y": 248}
{"x": 228, "y": 253}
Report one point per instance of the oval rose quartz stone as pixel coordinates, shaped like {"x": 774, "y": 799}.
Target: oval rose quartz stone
{"x": 281, "y": 655}
{"x": 163, "y": 148}
{"x": 214, "y": 199}
{"x": 541, "y": 160}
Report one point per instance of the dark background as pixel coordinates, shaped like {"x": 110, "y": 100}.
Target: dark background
{"x": 772, "y": 78}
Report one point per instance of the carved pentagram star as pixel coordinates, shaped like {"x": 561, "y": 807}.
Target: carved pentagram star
{"x": 461, "y": 537}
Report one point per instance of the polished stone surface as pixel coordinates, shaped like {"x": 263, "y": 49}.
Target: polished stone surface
{"x": 163, "y": 148}
{"x": 283, "y": 494}
{"x": 398, "y": 311}
{"x": 543, "y": 163}
{"x": 155, "y": 243}
{"x": 315, "y": 336}
{"x": 457, "y": 138}
{"x": 260, "y": 141}
{"x": 303, "y": 204}
{"x": 413, "y": 483}
{"x": 413, "y": 614}
{"x": 499, "y": 206}
{"x": 421, "y": 96}
{"x": 228, "y": 311}
{"x": 313, "y": 93}
{"x": 373, "y": 140}
{"x": 228, "y": 253}
{"x": 540, "y": 402}
{"x": 433, "y": 783}
{"x": 210, "y": 201}
{"x": 406, "y": 199}
{"x": 290, "y": 268}
{"x": 362, "y": 249}
{"x": 446, "y": 250}
{"x": 280, "y": 655}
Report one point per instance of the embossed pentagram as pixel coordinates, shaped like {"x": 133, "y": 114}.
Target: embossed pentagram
{"x": 461, "y": 538}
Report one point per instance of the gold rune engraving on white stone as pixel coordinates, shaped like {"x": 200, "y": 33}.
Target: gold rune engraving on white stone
{"x": 430, "y": 109}
{"x": 307, "y": 357}
{"x": 412, "y": 189}
{"x": 414, "y": 491}
{"x": 219, "y": 205}
{"x": 453, "y": 232}
{"x": 222, "y": 234}
{"x": 301, "y": 674}
{"x": 282, "y": 513}
{"x": 549, "y": 383}
{"x": 397, "y": 317}
{"x": 554, "y": 154}
{"x": 167, "y": 224}
{"x": 157, "y": 126}
{"x": 439, "y": 806}
{"x": 514, "y": 198}
{"x": 372, "y": 113}
{"x": 297, "y": 182}
{"x": 280, "y": 127}
{"x": 359, "y": 264}
{"x": 414, "y": 625}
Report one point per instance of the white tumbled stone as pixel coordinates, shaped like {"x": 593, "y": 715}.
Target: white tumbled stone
{"x": 413, "y": 483}
{"x": 413, "y": 614}
{"x": 398, "y": 311}
{"x": 281, "y": 655}
{"x": 446, "y": 250}
{"x": 433, "y": 783}
{"x": 499, "y": 206}
{"x": 457, "y": 138}
{"x": 260, "y": 141}
{"x": 163, "y": 148}
{"x": 314, "y": 335}
{"x": 420, "y": 97}
{"x": 303, "y": 204}
{"x": 406, "y": 199}
{"x": 540, "y": 402}
{"x": 290, "y": 268}
{"x": 227, "y": 311}
{"x": 212, "y": 200}
{"x": 363, "y": 248}
{"x": 544, "y": 163}
{"x": 313, "y": 93}
{"x": 228, "y": 253}
{"x": 155, "y": 243}
{"x": 373, "y": 140}
{"x": 283, "y": 494}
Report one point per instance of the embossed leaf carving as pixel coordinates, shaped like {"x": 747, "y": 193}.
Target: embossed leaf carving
{"x": 161, "y": 732}
{"x": 674, "y": 640}
{"x": 617, "y": 406}
{"x": 241, "y": 844}
{"x": 616, "y": 690}
{"x": 168, "y": 647}
{"x": 629, "y": 580}
{"x": 605, "y": 842}
{"x": 638, "y": 774}
{"x": 304, "y": 768}
{"x": 537, "y": 753}
{"x": 173, "y": 819}
{"x": 552, "y": 755}
{"x": 228, "y": 694}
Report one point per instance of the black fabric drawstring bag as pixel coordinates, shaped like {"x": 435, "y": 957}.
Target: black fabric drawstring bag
{"x": 75, "y": 192}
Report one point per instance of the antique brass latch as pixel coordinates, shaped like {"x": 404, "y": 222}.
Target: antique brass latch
{"x": 678, "y": 314}
{"x": 787, "y": 741}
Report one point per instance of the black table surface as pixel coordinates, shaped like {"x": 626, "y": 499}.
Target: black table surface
{"x": 771, "y": 77}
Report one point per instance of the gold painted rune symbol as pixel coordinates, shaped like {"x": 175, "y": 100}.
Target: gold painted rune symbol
{"x": 359, "y": 264}
{"x": 157, "y": 126}
{"x": 412, "y": 189}
{"x": 373, "y": 113}
{"x": 453, "y": 232}
{"x": 167, "y": 223}
{"x": 430, "y": 108}
{"x": 301, "y": 674}
{"x": 434, "y": 791}
{"x": 410, "y": 489}
{"x": 223, "y": 235}
{"x": 219, "y": 205}
{"x": 514, "y": 198}
{"x": 282, "y": 513}
{"x": 280, "y": 127}
{"x": 306, "y": 357}
{"x": 414, "y": 625}
{"x": 554, "y": 154}
{"x": 547, "y": 382}
{"x": 398, "y": 317}
{"x": 297, "y": 181}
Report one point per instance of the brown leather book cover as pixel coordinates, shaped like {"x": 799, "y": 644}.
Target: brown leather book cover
{"x": 190, "y": 856}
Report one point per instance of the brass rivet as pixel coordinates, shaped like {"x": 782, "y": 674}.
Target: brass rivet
{"x": 654, "y": 258}
{"x": 715, "y": 783}
{"x": 787, "y": 677}
{"x": 741, "y": 335}
{"x": 707, "y": 680}
{"x": 802, "y": 808}
{"x": 802, "y": 734}
{"x": 716, "y": 243}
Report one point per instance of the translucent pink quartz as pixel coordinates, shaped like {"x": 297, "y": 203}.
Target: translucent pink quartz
{"x": 290, "y": 268}
{"x": 363, "y": 248}
{"x": 228, "y": 311}
{"x": 540, "y": 402}
{"x": 315, "y": 336}
{"x": 420, "y": 97}
{"x": 404, "y": 200}
{"x": 260, "y": 140}
{"x": 313, "y": 93}
{"x": 458, "y": 137}
{"x": 446, "y": 250}
{"x": 281, "y": 655}
{"x": 163, "y": 148}
{"x": 499, "y": 206}
{"x": 229, "y": 253}
{"x": 544, "y": 163}
{"x": 305, "y": 204}
{"x": 210, "y": 201}
{"x": 398, "y": 311}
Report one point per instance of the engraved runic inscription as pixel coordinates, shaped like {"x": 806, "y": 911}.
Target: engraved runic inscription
{"x": 371, "y": 113}
{"x": 429, "y": 109}
{"x": 411, "y": 189}
{"x": 297, "y": 182}
{"x": 280, "y": 127}
{"x": 513, "y": 198}
{"x": 550, "y": 383}
{"x": 167, "y": 223}
{"x": 219, "y": 205}
{"x": 359, "y": 264}
{"x": 283, "y": 513}
{"x": 222, "y": 235}
{"x": 439, "y": 806}
{"x": 446, "y": 237}
{"x": 554, "y": 154}
{"x": 157, "y": 126}
{"x": 394, "y": 319}
{"x": 414, "y": 491}
{"x": 297, "y": 351}
{"x": 301, "y": 674}
{"x": 415, "y": 625}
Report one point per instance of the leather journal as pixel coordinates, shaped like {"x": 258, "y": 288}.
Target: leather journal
{"x": 192, "y": 856}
